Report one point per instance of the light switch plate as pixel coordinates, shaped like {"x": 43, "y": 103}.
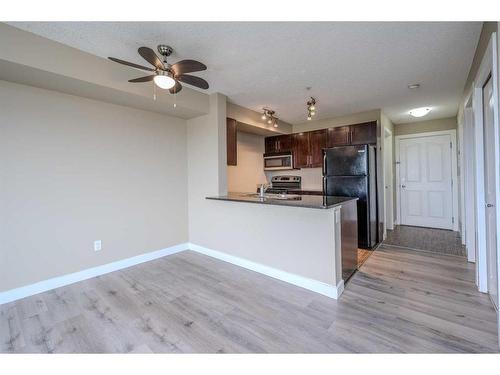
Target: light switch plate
{"x": 97, "y": 245}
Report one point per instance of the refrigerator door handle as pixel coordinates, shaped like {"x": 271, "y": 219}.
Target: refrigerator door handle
{"x": 324, "y": 163}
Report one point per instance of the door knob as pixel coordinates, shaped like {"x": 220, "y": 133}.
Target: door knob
{"x": 490, "y": 205}
{"x": 403, "y": 186}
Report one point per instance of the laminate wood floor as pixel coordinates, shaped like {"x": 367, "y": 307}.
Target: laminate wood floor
{"x": 400, "y": 301}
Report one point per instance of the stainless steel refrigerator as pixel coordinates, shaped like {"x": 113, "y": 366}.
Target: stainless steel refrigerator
{"x": 350, "y": 171}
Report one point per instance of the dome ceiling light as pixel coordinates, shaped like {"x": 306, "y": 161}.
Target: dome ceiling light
{"x": 420, "y": 112}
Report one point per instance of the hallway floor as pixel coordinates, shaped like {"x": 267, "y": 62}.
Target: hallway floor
{"x": 428, "y": 239}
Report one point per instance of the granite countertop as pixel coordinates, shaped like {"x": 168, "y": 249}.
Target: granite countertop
{"x": 306, "y": 201}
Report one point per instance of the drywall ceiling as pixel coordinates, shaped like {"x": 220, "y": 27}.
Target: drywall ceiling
{"x": 351, "y": 66}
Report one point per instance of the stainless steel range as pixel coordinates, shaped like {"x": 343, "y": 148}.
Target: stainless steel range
{"x": 282, "y": 184}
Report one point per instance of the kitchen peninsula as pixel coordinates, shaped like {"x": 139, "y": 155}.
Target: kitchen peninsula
{"x": 309, "y": 241}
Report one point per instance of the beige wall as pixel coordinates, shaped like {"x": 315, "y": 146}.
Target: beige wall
{"x": 207, "y": 165}
{"x": 484, "y": 38}
{"x": 306, "y": 237}
{"x": 355, "y": 118}
{"x": 249, "y": 171}
{"x": 75, "y": 170}
{"x": 426, "y": 126}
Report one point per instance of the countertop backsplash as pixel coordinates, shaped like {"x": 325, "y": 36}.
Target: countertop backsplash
{"x": 312, "y": 178}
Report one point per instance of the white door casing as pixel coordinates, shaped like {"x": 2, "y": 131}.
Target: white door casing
{"x": 388, "y": 184}
{"x": 469, "y": 185}
{"x": 487, "y": 70}
{"x": 426, "y": 181}
{"x": 490, "y": 190}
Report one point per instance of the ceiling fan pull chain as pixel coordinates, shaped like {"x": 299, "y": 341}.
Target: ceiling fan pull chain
{"x": 175, "y": 100}
{"x": 154, "y": 92}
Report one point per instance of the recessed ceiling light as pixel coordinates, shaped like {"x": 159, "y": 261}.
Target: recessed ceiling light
{"x": 414, "y": 86}
{"x": 420, "y": 112}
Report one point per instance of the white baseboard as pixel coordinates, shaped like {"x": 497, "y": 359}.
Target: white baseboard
{"x": 59, "y": 281}
{"x": 56, "y": 282}
{"x": 325, "y": 289}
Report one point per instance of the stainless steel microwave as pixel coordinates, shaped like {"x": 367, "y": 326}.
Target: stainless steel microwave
{"x": 278, "y": 162}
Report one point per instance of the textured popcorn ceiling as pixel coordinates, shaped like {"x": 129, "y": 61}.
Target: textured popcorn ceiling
{"x": 351, "y": 67}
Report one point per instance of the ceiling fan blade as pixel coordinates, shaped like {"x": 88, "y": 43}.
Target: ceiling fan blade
{"x": 188, "y": 66}
{"x": 176, "y": 88}
{"x": 193, "y": 81}
{"x": 150, "y": 56}
{"x": 130, "y": 64}
{"x": 143, "y": 79}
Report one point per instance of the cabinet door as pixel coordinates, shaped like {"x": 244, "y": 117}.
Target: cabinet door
{"x": 231, "y": 140}
{"x": 284, "y": 143}
{"x": 300, "y": 144}
{"x": 338, "y": 136}
{"x": 271, "y": 144}
{"x": 317, "y": 142}
{"x": 364, "y": 133}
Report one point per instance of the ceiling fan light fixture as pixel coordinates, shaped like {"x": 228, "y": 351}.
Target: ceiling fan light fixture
{"x": 164, "y": 81}
{"x": 420, "y": 112}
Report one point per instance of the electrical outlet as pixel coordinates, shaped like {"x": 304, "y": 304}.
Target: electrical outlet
{"x": 97, "y": 245}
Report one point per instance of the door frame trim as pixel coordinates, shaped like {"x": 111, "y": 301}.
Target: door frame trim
{"x": 387, "y": 133}
{"x": 453, "y": 137}
{"x": 488, "y": 67}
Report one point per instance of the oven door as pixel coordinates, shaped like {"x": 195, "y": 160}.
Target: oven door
{"x": 278, "y": 162}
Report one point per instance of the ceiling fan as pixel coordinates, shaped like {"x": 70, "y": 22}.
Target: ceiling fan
{"x": 167, "y": 76}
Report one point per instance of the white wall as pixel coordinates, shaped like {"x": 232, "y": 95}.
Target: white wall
{"x": 75, "y": 170}
{"x": 249, "y": 170}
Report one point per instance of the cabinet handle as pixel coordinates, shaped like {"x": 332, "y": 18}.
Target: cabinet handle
{"x": 279, "y": 145}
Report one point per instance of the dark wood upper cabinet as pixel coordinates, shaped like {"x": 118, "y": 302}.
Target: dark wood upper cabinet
{"x": 317, "y": 142}
{"x": 271, "y": 145}
{"x": 340, "y": 136}
{"x": 364, "y": 133}
{"x": 284, "y": 143}
{"x": 278, "y": 143}
{"x": 300, "y": 144}
{"x": 231, "y": 141}
{"x": 307, "y": 148}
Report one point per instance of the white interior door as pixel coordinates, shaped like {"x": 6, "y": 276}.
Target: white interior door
{"x": 490, "y": 191}
{"x": 426, "y": 181}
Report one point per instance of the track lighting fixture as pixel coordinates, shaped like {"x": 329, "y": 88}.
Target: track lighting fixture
{"x": 270, "y": 117}
{"x": 311, "y": 108}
